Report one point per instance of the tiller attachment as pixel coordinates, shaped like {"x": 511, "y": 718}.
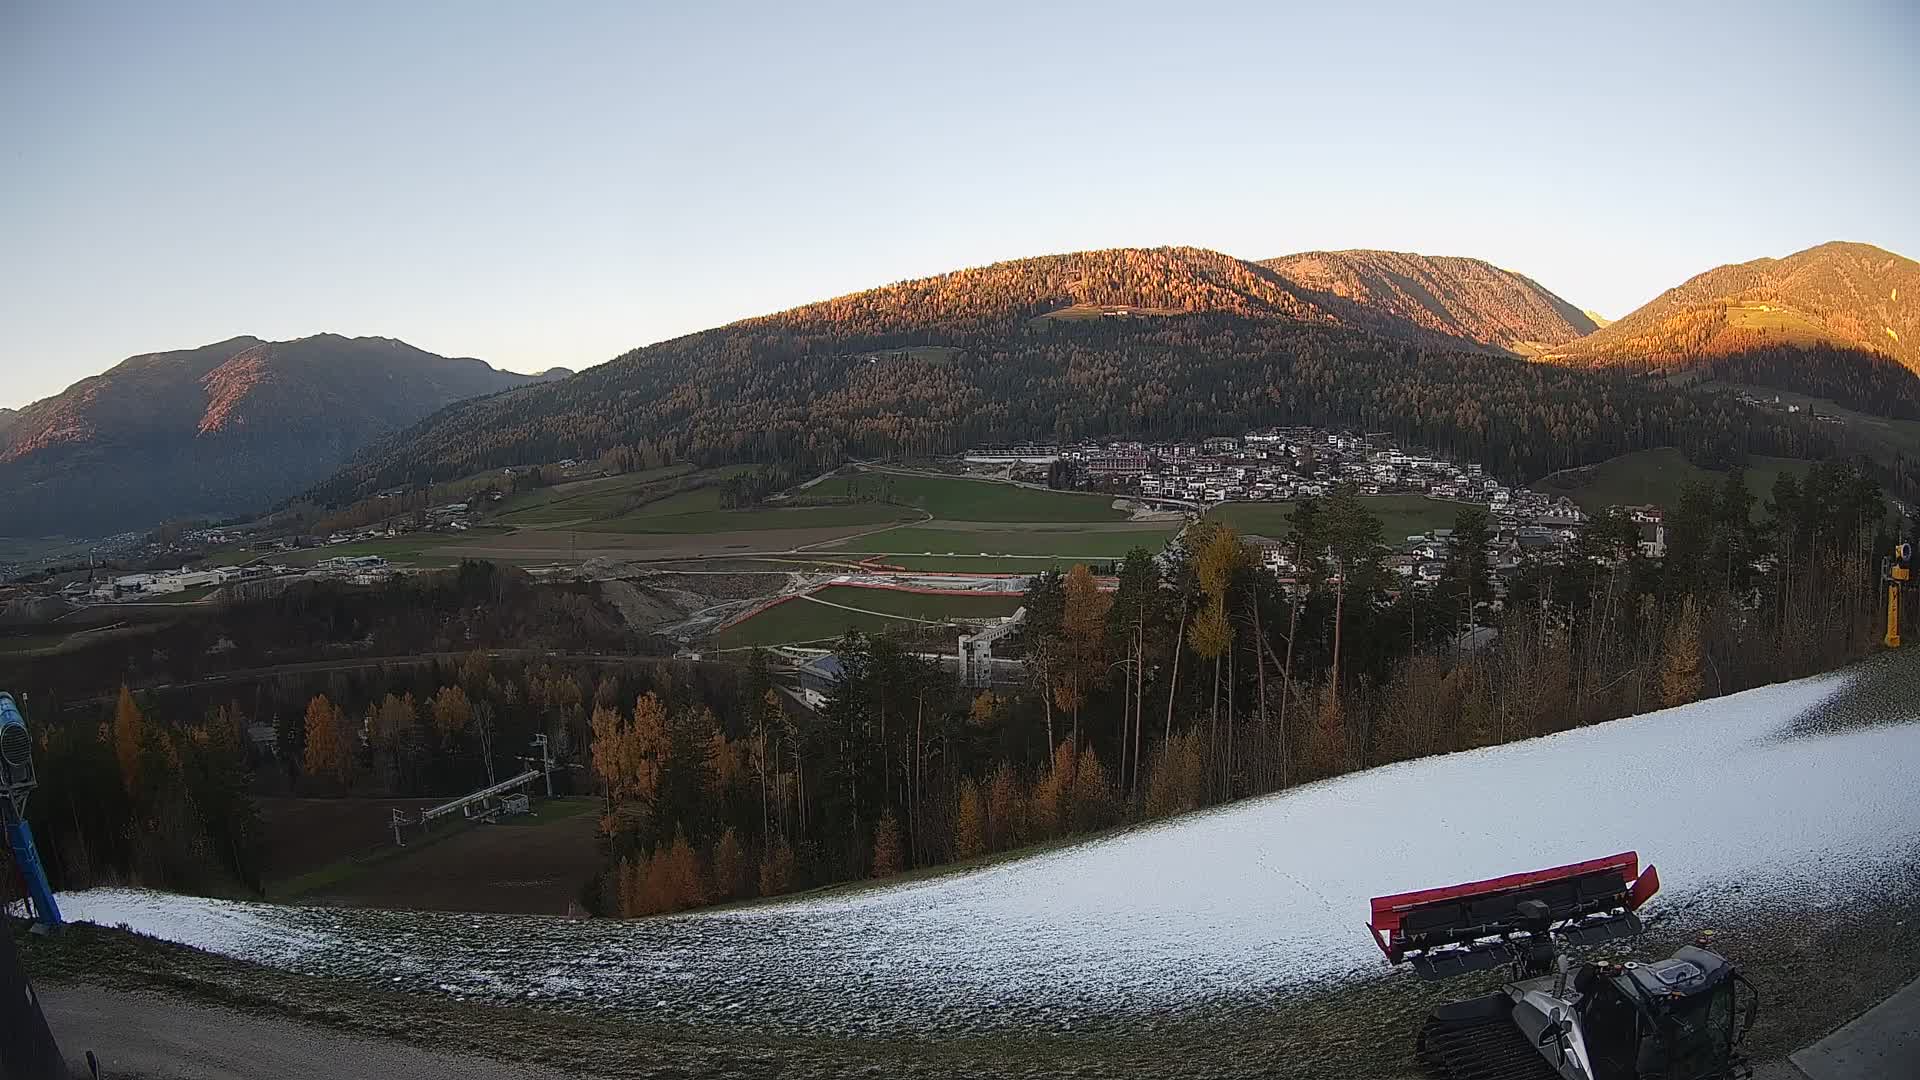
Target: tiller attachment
{"x": 1483, "y": 924}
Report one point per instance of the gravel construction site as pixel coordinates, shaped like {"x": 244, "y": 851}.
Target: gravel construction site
{"x": 1228, "y": 943}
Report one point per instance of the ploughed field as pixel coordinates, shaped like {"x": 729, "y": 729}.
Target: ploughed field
{"x": 1217, "y": 944}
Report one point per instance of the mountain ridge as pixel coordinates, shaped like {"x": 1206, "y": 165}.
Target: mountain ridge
{"x": 1838, "y": 320}
{"x": 1832, "y": 287}
{"x": 1121, "y": 342}
{"x": 1453, "y": 296}
{"x": 218, "y": 429}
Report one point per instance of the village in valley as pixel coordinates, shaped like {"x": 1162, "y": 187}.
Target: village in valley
{"x": 1284, "y": 465}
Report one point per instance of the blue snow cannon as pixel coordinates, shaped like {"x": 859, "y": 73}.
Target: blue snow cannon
{"x": 17, "y": 780}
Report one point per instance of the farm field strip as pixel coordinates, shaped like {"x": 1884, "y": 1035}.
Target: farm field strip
{"x": 715, "y": 520}
{"x": 1012, "y": 538}
{"x": 962, "y": 499}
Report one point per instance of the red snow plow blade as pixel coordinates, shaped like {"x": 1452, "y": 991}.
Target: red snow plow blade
{"x": 1595, "y": 900}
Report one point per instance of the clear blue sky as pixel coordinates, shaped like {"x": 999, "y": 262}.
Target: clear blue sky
{"x": 554, "y": 184}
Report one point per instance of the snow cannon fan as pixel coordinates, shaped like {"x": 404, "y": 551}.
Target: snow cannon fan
{"x": 17, "y": 780}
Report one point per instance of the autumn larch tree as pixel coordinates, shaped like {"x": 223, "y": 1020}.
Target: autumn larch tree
{"x": 886, "y": 845}
{"x": 328, "y": 754}
{"x": 1082, "y": 630}
{"x": 1681, "y": 676}
{"x": 129, "y": 731}
{"x": 451, "y": 713}
{"x": 969, "y": 824}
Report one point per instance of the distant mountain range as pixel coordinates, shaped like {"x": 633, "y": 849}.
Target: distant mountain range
{"x": 1451, "y": 353}
{"x": 222, "y": 429}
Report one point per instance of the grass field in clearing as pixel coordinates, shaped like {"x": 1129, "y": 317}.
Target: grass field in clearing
{"x": 1400, "y": 516}
{"x": 915, "y": 605}
{"x": 1792, "y": 327}
{"x": 1659, "y": 477}
{"x": 582, "y": 499}
{"x": 409, "y": 550}
{"x": 19, "y": 643}
{"x": 956, "y": 498}
{"x": 879, "y": 611}
{"x": 1064, "y": 541}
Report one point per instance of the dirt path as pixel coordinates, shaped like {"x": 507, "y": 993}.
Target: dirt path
{"x": 144, "y": 1035}
{"x": 922, "y": 520}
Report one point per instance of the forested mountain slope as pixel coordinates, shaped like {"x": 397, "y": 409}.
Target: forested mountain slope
{"x": 1163, "y": 342}
{"x": 1391, "y": 292}
{"x": 221, "y": 429}
{"x": 1839, "y": 320}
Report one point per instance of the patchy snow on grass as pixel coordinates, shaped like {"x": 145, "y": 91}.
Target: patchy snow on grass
{"x": 1740, "y": 804}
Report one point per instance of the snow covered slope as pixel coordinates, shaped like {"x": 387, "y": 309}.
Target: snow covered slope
{"x": 1746, "y": 802}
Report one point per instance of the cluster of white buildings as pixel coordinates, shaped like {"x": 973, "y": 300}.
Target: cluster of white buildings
{"x": 158, "y": 584}
{"x": 356, "y": 569}
{"x": 1278, "y": 466}
{"x": 161, "y": 583}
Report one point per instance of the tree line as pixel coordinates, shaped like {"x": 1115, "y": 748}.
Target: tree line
{"x": 1208, "y": 676}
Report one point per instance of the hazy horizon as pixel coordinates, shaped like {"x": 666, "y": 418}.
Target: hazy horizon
{"x": 541, "y": 192}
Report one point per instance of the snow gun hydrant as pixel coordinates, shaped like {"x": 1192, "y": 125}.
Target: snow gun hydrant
{"x": 17, "y": 780}
{"x": 1897, "y": 572}
{"x": 1682, "y": 1018}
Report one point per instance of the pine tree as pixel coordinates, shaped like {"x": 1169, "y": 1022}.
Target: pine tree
{"x": 969, "y": 825}
{"x": 886, "y": 845}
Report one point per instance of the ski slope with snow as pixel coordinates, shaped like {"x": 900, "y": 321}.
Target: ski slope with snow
{"x": 1749, "y": 804}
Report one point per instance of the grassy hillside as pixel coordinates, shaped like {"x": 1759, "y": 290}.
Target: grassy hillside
{"x": 1400, "y": 516}
{"x": 582, "y": 499}
{"x": 1657, "y": 477}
